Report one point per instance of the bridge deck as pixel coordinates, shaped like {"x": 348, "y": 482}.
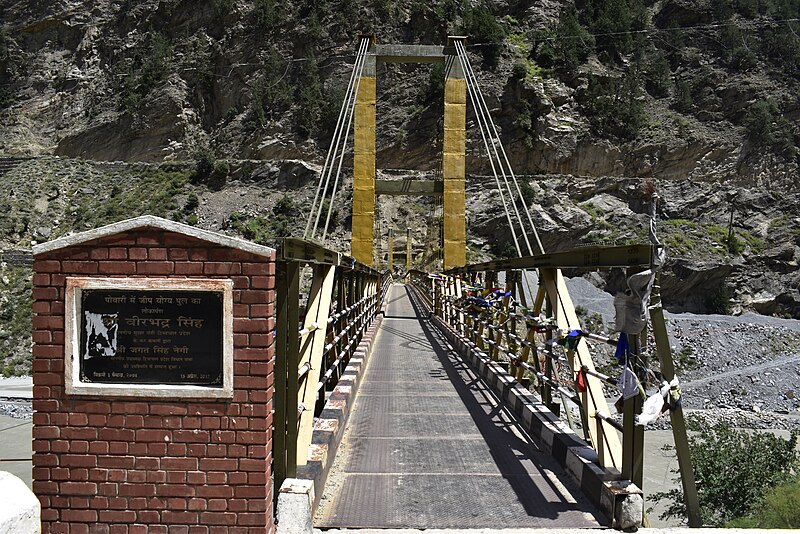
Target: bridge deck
{"x": 428, "y": 446}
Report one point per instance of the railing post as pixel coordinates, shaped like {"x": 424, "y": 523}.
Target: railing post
{"x": 459, "y": 317}
{"x": 436, "y": 288}
{"x": 676, "y": 413}
{"x": 281, "y": 331}
{"x": 601, "y": 451}
{"x": 291, "y": 356}
{"x": 313, "y": 344}
{"x": 593, "y": 399}
{"x": 633, "y": 434}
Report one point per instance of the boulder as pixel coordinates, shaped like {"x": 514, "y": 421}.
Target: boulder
{"x": 21, "y": 512}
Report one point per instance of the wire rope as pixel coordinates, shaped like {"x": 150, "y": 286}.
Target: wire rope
{"x": 479, "y": 119}
{"x": 344, "y": 144}
{"x": 339, "y": 134}
{"x": 507, "y": 162}
{"x": 483, "y": 109}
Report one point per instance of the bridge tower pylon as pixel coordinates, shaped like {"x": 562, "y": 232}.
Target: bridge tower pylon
{"x": 451, "y": 188}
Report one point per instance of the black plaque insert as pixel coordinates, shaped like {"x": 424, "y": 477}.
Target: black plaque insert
{"x": 148, "y": 336}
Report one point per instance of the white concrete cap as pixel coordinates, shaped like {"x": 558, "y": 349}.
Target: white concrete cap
{"x": 150, "y": 221}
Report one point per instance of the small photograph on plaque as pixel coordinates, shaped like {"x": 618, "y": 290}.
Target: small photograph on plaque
{"x": 151, "y": 336}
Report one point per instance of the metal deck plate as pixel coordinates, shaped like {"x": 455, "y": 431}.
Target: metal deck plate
{"x": 427, "y": 446}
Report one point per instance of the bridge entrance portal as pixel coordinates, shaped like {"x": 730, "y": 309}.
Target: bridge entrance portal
{"x": 452, "y": 186}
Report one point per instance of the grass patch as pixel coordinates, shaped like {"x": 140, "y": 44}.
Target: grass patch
{"x": 150, "y": 191}
{"x": 16, "y": 301}
{"x": 685, "y": 361}
{"x": 683, "y": 236}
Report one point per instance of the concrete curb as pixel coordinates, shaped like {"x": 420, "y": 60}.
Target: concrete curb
{"x": 325, "y": 439}
{"x": 620, "y": 500}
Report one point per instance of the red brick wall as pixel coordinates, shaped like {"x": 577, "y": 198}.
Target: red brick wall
{"x": 122, "y": 465}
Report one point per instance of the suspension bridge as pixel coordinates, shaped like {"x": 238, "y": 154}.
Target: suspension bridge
{"x": 183, "y": 377}
{"x": 474, "y": 399}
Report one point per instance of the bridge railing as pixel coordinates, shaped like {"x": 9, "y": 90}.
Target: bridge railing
{"x": 544, "y": 340}
{"x": 530, "y": 336}
{"x": 325, "y": 301}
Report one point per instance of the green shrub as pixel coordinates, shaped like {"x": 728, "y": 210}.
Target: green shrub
{"x": 734, "y": 469}
{"x": 720, "y": 301}
{"x": 734, "y": 244}
{"x": 612, "y": 22}
{"x": 192, "y": 202}
{"x": 282, "y": 223}
{"x": 266, "y": 14}
{"x": 483, "y": 29}
{"x": 766, "y": 127}
{"x": 615, "y": 107}
{"x": 519, "y": 70}
{"x": 223, "y": 8}
{"x": 566, "y": 46}
{"x": 308, "y": 96}
{"x": 145, "y": 70}
{"x": 526, "y": 122}
{"x": 434, "y": 91}
{"x": 15, "y": 320}
{"x": 780, "y": 509}
{"x": 685, "y": 360}
{"x": 271, "y": 92}
{"x": 683, "y": 97}
{"x": 658, "y": 77}
{"x": 210, "y": 171}
{"x": 203, "y": 166}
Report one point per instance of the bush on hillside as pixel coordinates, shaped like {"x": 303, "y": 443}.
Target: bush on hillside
{"x": 483, "y": 30}
{"x": 780, "y": 509}
{"x": 733, "y": 470}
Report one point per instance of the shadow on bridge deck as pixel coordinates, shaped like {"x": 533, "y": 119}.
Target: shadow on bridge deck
{"x": 429, "y": 446}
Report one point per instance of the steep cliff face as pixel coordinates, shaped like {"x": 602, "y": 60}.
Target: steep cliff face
{"x": 672, "y": 96}
{"x": 593, "y": 99}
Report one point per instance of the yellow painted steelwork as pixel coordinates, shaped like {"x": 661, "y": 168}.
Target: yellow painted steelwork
{"x": 364, "y": 172}
{"x": 391, "y": 250}
{"x": 408, "y": 249}
{"x": 454, "y": 172}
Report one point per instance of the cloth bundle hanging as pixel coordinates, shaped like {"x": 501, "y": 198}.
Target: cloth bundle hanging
{"x": 631, "y": 305}
{"x": 539, "y": 324}
{"x": 628, "y": 383}
{"x": 569, "y": 338}
{"x": 581, "y": 381}
{"x": 623, "y": 348}
{"x": 668, "y": 397}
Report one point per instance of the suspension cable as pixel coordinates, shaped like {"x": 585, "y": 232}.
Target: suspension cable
{"x": 508, "y": 163}
{"x": 340, "y": 135}
{"x": 341, "y": 155}
{"x": 479, "y": 118}
{"x": 334, "y": 142}
{"x": 483, "y": 109}
{"x": 480, "y": 103}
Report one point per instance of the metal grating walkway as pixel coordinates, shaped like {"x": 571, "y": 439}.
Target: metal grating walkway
{"x": 427, "y": 446}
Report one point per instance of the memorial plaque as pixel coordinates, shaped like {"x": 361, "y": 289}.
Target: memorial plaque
{"x": 160, "y": 336}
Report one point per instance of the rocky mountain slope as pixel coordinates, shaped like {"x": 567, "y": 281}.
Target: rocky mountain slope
{"x": 219, "y": 113}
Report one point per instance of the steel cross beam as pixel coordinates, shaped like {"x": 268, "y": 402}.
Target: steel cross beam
{"x": 589, "y": 257}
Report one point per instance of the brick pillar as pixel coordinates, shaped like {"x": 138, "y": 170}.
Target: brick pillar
{"x": 122, "y": 463}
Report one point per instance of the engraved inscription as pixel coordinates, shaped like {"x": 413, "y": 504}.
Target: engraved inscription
{"x": 151, "y": 337}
